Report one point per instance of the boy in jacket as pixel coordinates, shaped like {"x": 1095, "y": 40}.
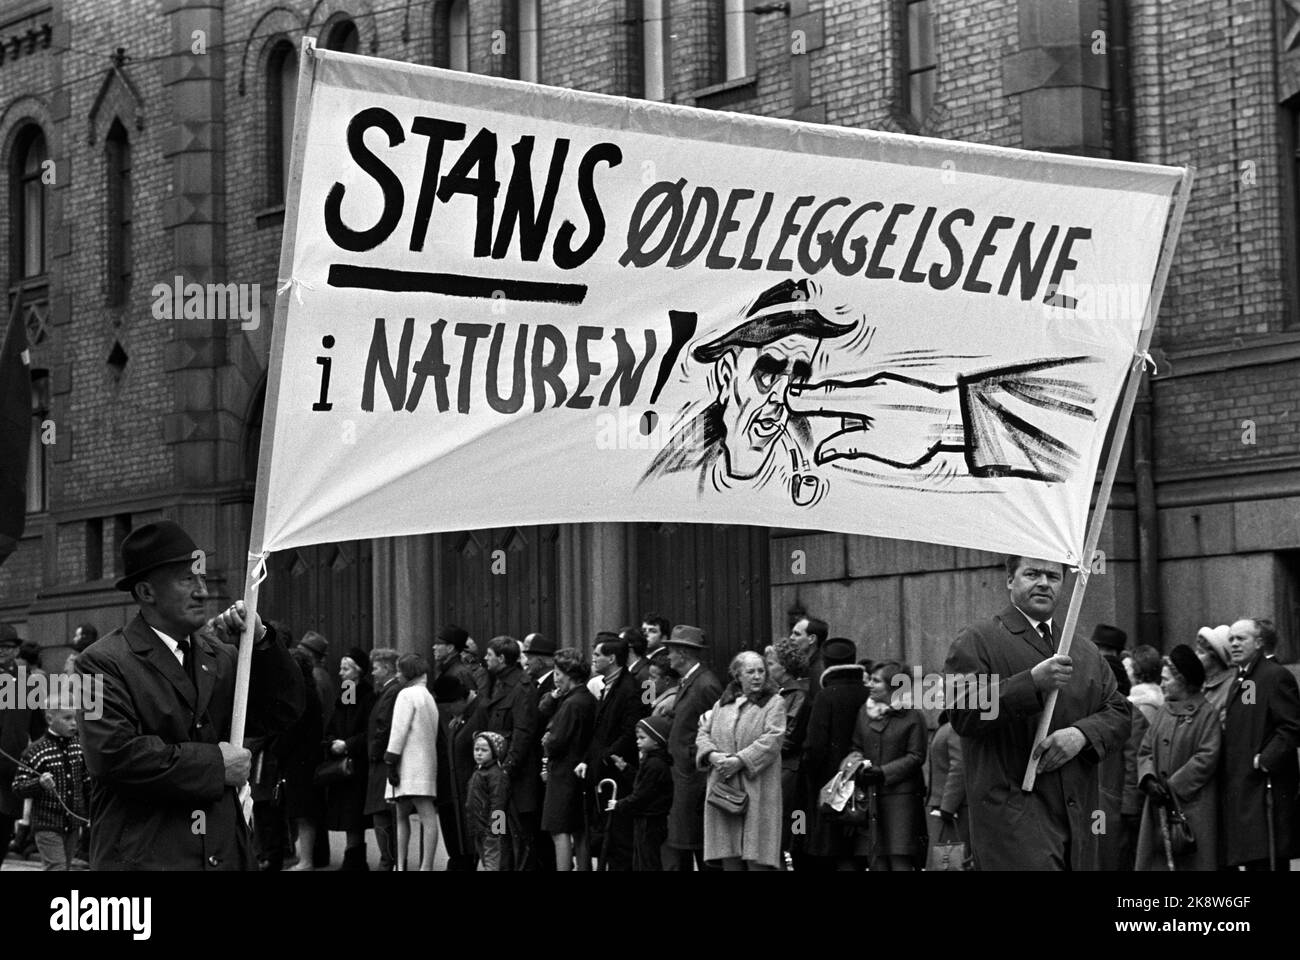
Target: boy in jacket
{"x": 53, "y": 773}
{"x": 489, "y": 796}
{"x": 652, "y": 794}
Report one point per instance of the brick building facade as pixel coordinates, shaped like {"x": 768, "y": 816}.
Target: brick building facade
{"x": 163, "y": 121}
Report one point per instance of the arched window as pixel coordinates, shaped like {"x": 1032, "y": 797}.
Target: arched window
{"x": 117, "y": 155}
{"x": 28, "y": 235}
{"x": 282, "y": 95}
{"x": 343, "y": 36}
{"x": 458, "y": 35}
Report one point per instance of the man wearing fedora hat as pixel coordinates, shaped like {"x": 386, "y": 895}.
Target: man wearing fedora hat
{"x": 698, "y": 691}
{"x": 163, "y": 795}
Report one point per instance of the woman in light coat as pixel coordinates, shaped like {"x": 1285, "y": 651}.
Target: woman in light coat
{"x": 412, "y": 759}
{"x": 740, "y": 741}
{"x": 1180, "y": 756}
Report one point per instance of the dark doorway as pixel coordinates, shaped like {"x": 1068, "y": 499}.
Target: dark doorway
{"x": 325, "y": 587}
{"x": 713, "y": 576}
{"x": 500, "y": 581}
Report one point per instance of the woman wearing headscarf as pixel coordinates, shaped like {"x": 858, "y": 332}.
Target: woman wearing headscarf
{"x": 1177, "y": 764}
{"x": 889, "y": 738}
{"x": 1216, "y": 657}
{"x": 739, "y": 743}
{"x": 345, "y": 736}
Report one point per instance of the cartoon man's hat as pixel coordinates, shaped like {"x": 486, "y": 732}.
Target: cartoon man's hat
{"x": 779, "y": 312}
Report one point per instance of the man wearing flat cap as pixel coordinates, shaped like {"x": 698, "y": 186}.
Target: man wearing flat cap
{"x": 753, "y": 365}
{"x": 698, "y": 691}
{"x": 164, "y": 776}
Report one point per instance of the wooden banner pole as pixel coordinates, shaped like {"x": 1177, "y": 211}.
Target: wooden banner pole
{"x": 1125, "y": 414}
{"x": 307, "y": 61}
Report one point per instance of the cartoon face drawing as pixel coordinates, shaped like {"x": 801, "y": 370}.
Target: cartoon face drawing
{"x": 752, "y": 385}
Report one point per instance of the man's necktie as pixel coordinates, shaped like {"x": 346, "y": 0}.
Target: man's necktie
{"x": 1046, "y": 630}
{"x": 184, "y": 647}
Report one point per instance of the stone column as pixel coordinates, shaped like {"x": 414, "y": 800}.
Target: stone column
{"x": 404, "y": 587}
{"x": 1058, "y": 77}
{"x": 194, "y": 218}
{"x": 594, "y": 580}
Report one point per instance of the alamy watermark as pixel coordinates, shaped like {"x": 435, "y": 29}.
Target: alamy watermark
{"x": 950, "y": 691}
{"x": 38, "y": 690}
{"x": 208, "y": 301}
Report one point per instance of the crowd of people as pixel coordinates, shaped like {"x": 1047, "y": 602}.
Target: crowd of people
{"x": 638, "y": 756}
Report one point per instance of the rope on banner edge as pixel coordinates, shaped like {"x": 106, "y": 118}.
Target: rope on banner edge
{"x": 286, "y": 284}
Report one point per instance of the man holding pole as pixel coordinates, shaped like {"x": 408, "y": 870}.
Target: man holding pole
{"x": 1055, "y": 825}
{"x": 164, "y": 776}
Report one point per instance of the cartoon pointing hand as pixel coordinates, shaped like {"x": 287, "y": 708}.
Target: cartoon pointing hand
{"x": 895, "y": 420}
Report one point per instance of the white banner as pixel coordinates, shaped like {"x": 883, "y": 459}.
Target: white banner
{"x": 511, "y": 304}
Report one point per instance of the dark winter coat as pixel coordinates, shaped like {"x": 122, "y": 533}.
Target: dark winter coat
{"x": 566, "y": 743}
{"x": 797, "y": 708}
{"x": 488, "y": 802}
{"x": 456, "y": 667}
{"x": 895, "y": 744}
{"x": 153, "y": 754}
{"x": 455, "y": 768}
{"x": 1266, "y": 723}
{"x": 695, "y": 694}
{"x": 378, "y": 726}
{"x": 345, "y": 801}
{"x": 1012, "y": 830}
{"x": 652, "y": 791}
{"x": 510, "y": 709}
{"x": 614, "y": 733}
{"x": 829, "y": 738}
{"x": 1181, "y": 750}
{"x": 297, "y": 750}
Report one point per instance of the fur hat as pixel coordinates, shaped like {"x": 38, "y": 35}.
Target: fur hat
{"x": 496, "y": 743}
{"x": 361, "y": 659}
{"x": 1216, "y": 638}
{"x": 1183, "y": 659}
{"x": 658, "y": 727}
{"x": 454, "y": 636}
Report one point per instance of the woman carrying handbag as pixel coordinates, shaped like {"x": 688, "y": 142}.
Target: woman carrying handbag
{"x": 1177, "y": 767}
{"x": 891, "y": 735}
{"x": 739, "y": 743}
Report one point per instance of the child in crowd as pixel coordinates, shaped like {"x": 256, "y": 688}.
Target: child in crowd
{"x": 485, "y": 808}
{"x": 652, "y": 793}
{"x": 53, "y": 773}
